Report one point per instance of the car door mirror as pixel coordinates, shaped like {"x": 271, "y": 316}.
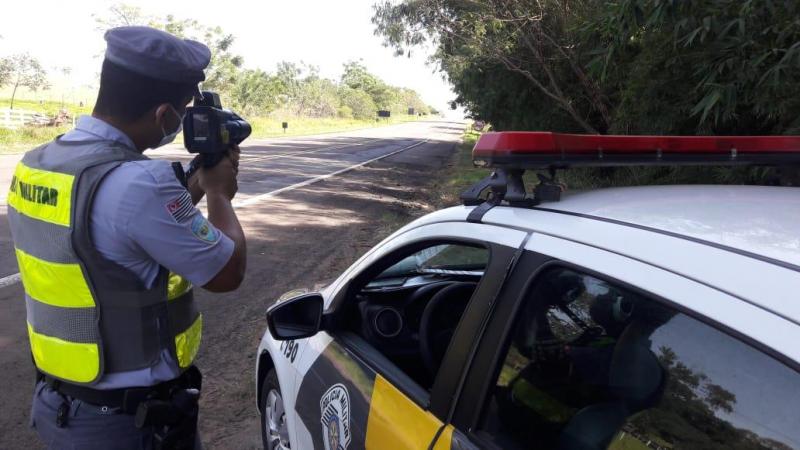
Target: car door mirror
{"x": 297, "y": 318}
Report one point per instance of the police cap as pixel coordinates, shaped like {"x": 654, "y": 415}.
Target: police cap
{"x": 157, "y": 54}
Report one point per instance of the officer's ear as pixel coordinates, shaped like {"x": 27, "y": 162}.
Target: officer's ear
{"x": 164, "y": 115}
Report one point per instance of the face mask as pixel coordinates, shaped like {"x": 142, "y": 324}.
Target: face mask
{"x": 168, "y": 138}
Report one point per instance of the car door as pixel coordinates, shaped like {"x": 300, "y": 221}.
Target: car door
{"x": 351, "y": 394}
{"x": 589, "y": 349}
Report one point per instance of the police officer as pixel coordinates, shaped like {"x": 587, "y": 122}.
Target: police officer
{"x": 109, "y": 244}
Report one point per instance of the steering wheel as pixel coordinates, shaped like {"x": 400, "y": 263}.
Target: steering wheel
{"x": 439, "y": 321}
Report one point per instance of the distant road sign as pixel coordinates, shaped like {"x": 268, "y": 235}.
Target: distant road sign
{"x": 384, "y": 113}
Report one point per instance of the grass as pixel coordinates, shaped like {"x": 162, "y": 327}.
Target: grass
{"x": 390, "y": 222}
{"x": 48, "y": 107}
{"x": 624, "y": 441}
{"x": 463, "y": 173}
{"x": 24, "y": 139}
{"x": 266, "y": 127}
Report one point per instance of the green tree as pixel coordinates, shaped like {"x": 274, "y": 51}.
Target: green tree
{"x": 385, "y": 97}
{"x": 629, "y": 66}
{"x": 293, "y": 88}
{"x": 409, "y": 98}
{"x": 530, "y": 38}
{"x": 717, "y": 66}
{"x": 22, "y": 70}
{"x": 5, "y": 71}
{"x": 317, "y": 97}
{"x": 359, "y": 102}
{"x": 626, "y": 67}
{"x": 356, "y": 76}
{"x": 225, "y": 64}
{"x": 255, "y": 92}
{"x": 120, "y": 15}
{"x": 288, "y": 78}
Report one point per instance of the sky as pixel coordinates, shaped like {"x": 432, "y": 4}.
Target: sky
{"x": 323, "y": 33}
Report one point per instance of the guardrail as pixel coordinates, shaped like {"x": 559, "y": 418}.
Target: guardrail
{"x": 17, "y": 118}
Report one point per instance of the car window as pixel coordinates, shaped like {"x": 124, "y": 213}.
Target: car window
{"x": 409, "y": 311}
{"x": 592, "y": 365}
{"x": 439, "y": 258}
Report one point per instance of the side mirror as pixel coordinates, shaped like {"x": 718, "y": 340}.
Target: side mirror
{"x": 297, "y": 318}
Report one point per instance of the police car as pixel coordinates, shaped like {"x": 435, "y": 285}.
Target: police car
{"x": 631, "y": 318}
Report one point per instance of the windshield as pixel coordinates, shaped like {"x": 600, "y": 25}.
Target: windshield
{"x": 445, "y": 257}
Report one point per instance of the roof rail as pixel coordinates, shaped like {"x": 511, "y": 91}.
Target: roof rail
{"x": 506, "y": 185}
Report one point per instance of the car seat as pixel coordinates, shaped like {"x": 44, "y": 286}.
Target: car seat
{"x": 635, "y": 381}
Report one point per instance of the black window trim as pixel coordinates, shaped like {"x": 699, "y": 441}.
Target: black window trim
{"x": 470, "y": 406}
{"x": 493, "y": 347}
{"x": 441, "y": 391}
{"x": 477, "y": 317}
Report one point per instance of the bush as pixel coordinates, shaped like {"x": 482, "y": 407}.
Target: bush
{"x": 344, "y": 112}
{"x": 360, "y": 103}
{"x": 27, "y": 138}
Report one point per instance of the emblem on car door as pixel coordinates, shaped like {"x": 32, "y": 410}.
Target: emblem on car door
{"x": 335, "y": 413}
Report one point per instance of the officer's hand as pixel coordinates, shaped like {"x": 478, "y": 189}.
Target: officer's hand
{"x": 234, "y": 153}
{"x": 193, "y": 184}
{"x": 221, "y": 179}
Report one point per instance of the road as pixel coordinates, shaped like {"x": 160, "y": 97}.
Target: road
{"x": 309, "y": 206}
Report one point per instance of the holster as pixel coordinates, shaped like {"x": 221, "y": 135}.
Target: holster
{"x": 173, "y": 414}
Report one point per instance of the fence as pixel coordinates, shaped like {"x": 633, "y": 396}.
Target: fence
{"x": 17, "y": 118}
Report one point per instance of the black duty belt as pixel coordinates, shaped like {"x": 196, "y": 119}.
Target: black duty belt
{"x": 127, "y": 399}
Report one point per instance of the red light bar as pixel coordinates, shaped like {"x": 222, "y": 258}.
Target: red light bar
{"x": 538, "y": 150}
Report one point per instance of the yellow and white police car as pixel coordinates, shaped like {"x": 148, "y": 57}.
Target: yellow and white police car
{"x": 633, "y": 318}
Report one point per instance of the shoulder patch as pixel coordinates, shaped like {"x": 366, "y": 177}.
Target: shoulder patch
{"x": 204, "y": 230}
{"x": 181, "y": 207}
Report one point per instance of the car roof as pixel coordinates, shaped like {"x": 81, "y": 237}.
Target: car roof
{"x": 757, "y": 220}
{"x": 760, "y": 221}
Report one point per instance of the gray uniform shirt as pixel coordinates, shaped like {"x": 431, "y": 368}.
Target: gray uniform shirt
{"x": 143, "y": 218}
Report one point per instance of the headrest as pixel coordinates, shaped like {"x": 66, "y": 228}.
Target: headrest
{"x": 636, "y": 376}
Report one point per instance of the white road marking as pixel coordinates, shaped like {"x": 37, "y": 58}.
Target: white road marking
{"x": 9, "y": 280}
{"x": 15, "y": 278}
{"x": 254, "y": 158}
{"x": 268, "y": 195}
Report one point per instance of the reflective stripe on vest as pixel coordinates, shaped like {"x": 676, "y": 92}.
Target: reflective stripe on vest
{"x": 88, "y": 316}
{"x": 41, "y": 194}
{"x": 187, "y": 341}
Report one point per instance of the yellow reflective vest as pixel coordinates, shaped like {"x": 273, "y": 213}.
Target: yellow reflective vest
{"x": 88, "y": 316}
